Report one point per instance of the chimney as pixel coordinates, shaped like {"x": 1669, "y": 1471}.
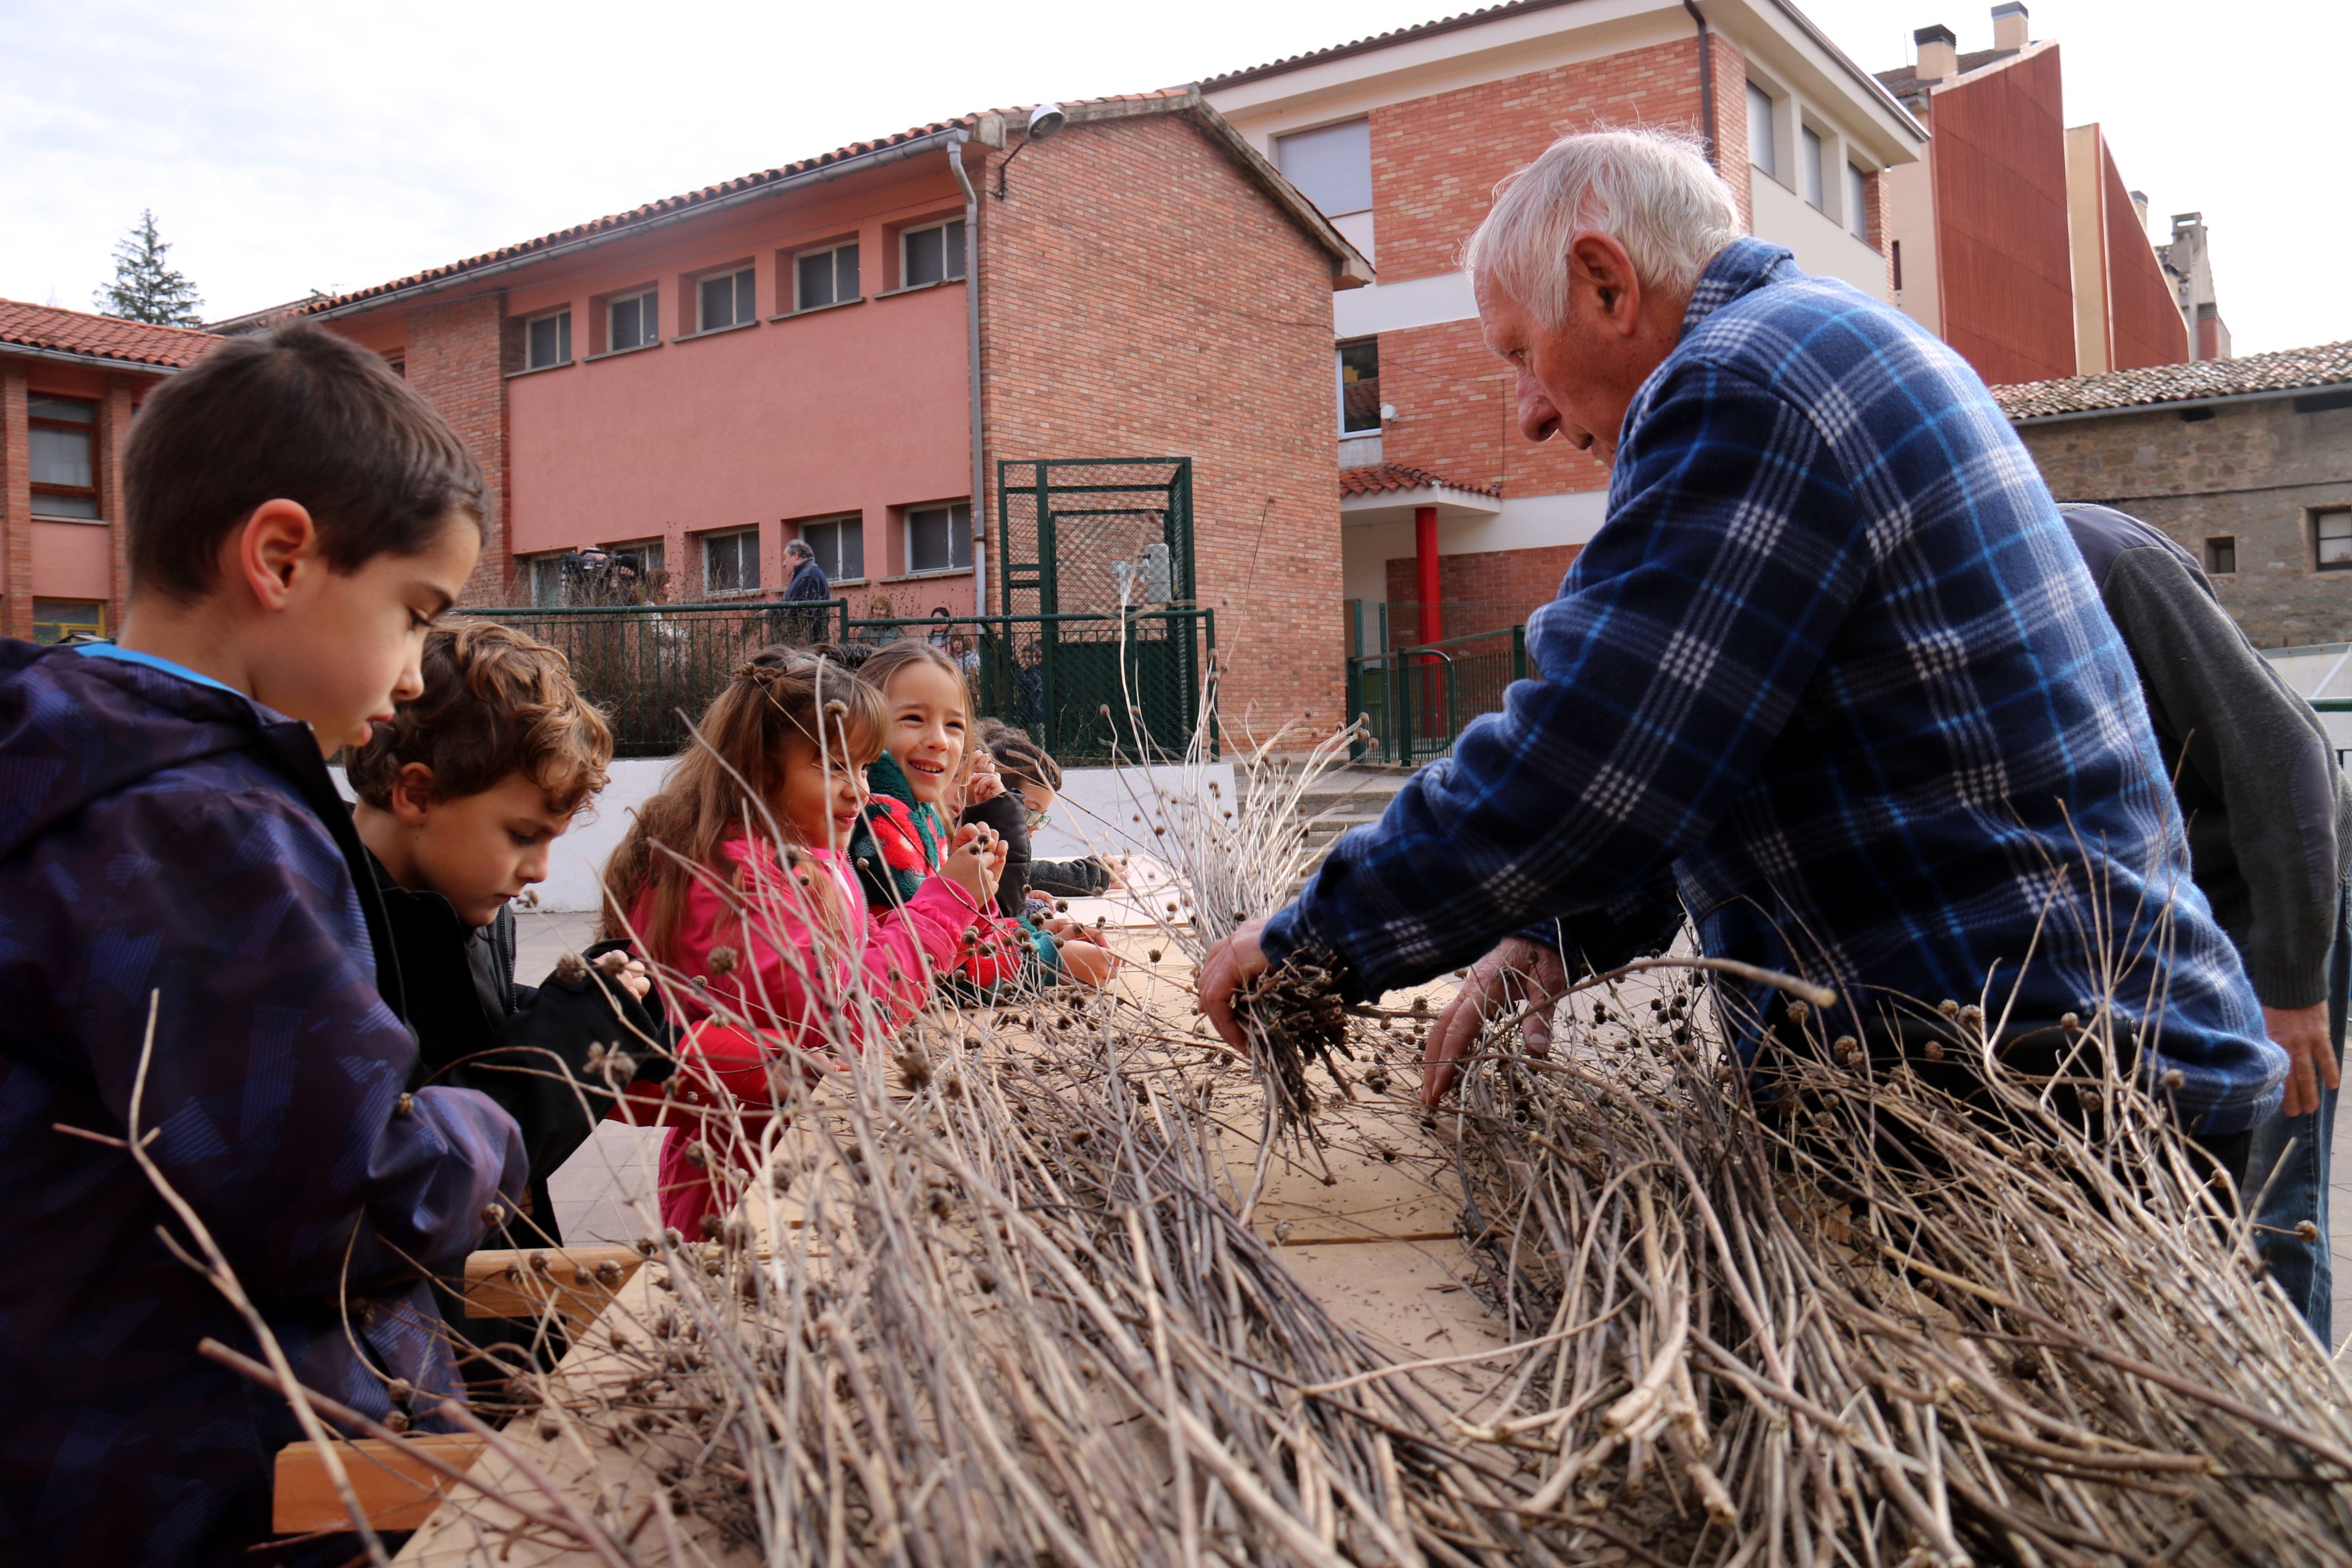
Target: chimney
{"x": 2009, "y": 26}
{"x": 1940, "y": 52}
{"x": 2139, "y": 205}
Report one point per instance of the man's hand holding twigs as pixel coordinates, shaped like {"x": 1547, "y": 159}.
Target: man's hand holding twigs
{"x": 1228, "y": 966}
{"x": 1516, "y": 975}
{"x": 2301, "y": 1034}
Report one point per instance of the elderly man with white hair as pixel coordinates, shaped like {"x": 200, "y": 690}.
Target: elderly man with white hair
{"x": 1831, "y": 679}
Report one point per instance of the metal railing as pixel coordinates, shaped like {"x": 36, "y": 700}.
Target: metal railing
{"x": 1084, "y": 685}
{"x": 1415, "y": 700}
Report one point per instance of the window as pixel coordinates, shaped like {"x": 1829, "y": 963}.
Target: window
{"x": 840, "y": 547}
{"x": 930, "y": 255}
{"x": 634, "y": 322}
{"x": 643, "y": 556}
{"x": 1360, "y": 386}
{"x": 1810, "y": 140}
{"x": 1331, "y": 166}
{"x": 54, "y": 620}
{"x": 2333, "y": 532}
{"x": 1857, "y": 203}
{"x": 546, "y": 581}
{"x": 65, "y": 473}
{"x": 2222, "y": 553}
{"x": 1895, "y": 259}
{"x": 547, "y": 341}
{"x": 938, "y": 538}
{"x": 731, "y": 561}
{"x": 1760, "y": 130}
{"x": 826, "y": 277}
{"x": 726, "y": 300}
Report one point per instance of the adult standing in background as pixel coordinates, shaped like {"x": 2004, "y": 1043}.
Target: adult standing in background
{"x": 808, "y": 583}
{"x": 2270, "y": 839}
{"x": 1831, "y": 677}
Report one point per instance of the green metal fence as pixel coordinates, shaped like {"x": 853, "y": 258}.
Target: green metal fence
{"x": 651, "y": 667}
{"x": 1415, "y": 700}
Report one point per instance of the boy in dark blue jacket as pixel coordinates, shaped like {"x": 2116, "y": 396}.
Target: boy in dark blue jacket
{"x": 296, "y": 518}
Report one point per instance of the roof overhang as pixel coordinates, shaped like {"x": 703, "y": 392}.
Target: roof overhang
{"x": 1399, "y": 506}
{"x": 88, "y": 360}
{"x": 842, "y": 168}
{"x": 2267, "y": 394}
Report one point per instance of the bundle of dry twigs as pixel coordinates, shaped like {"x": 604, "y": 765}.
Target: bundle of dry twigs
{"x": 999, "y": 1295}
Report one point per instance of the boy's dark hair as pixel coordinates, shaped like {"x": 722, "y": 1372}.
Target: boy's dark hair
{"x": 496, "y": 702}
{"x": 299, "y": 414}
{"x": 1019, "y": 759}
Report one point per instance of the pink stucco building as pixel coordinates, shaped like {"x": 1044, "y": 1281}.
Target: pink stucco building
{"x": 841, "y": 350}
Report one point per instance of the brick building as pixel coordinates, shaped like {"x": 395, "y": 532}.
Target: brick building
{"x": 2246, "y": 462}
{"x": 70, "y": 383}
{"x": 2016, "y": 239}
{"x": 842, "y": 350}
{"x": 1401, "y": 138}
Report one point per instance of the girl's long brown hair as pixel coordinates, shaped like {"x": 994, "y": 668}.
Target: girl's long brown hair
{"x": 722, "y": 781}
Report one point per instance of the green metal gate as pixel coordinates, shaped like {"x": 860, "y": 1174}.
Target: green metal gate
{"x": 1081, "y": 538}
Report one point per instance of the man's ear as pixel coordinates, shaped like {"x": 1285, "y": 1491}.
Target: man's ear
{"x": 411, "y": 794}
{"x": 1604, "y": 276}
{"x": 266, "y": 553}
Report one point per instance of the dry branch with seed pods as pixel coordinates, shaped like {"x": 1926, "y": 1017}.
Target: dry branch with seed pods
{"x": 1009, "y": 1291}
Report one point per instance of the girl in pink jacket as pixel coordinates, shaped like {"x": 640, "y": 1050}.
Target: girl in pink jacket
{"x": 732, "y": 881}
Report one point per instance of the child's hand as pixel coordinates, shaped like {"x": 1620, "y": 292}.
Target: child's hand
{"x": 627, "y": 972}
{"x": 985, "y": 782}
{"x": 974, "y": 860}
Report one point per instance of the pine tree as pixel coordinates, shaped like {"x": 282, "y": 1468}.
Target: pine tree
{"x": 145, "y": 289}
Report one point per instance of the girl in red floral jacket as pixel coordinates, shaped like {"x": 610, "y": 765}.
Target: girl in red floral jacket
{"x": 923, "y": 776}
{"x": 734, "y": 876}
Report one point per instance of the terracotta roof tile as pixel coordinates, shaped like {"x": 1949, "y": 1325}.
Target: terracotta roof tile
{"x": 2288, "y": 370}
{"x": 1384, "y": 477}
{"x": 100, "y": 337}
{"x": 668, "y": 206}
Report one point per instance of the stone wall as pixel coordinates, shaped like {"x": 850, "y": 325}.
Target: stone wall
{"x": 2251, "y": 473}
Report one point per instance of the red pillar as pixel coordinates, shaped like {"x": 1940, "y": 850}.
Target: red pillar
{"x": 1432, "y": 624}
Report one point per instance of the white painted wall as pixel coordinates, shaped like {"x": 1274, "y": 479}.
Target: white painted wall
{"x": 1092, "y": 816}
{"x": 1525, "y": 522}
{"x": 1820, "y": 244}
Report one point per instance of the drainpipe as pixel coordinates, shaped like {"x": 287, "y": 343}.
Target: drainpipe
{"x": 1424, "y": 560}
{"x": 971, "y": 348}
{"x": 1705, "y": 84}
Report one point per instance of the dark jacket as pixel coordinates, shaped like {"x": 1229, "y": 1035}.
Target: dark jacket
{"x": 808, "y": 583}
{"x": 1008, "y": 813}
{"x": 1081, "y": 878}
{"x": 2269, "y": 812}
{"x": 165, "y": 840}
{"x": 527, "y": 1047}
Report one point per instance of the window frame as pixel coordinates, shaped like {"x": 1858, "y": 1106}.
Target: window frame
{"x": 87, "y": 431}
{"x": 1758, "y": 91}
{"x": 2320, "y": 516}
{"x": 645, "y": 298}
{"x": 2216, "y": 546}
{"x": 97, "y": 625}
{"x": 748, "y": 312}
{"x": 1339, "y": 385}
{"x": 948, "y": 257}
{"x": 848, "y": 524}
{"x": 549, "y": 564}
{"x": 741, "y": 590}
{"x": 1857, "y": 201}
{"x": 959, "y": 536}
{"x": 561, "y": 317}
{"x": 1812, "y": 154}
{"x": 856, "y": 277}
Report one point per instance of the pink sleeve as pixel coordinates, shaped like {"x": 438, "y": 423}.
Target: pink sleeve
{"x": 910, "y": 948}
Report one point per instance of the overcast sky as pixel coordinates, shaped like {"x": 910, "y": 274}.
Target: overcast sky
{"x": 288, "y": 147}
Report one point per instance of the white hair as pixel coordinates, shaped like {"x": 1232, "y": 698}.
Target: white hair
{"x": 1653, "y": 191}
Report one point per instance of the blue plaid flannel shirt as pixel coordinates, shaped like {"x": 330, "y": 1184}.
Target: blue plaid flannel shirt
{"x": 1832, "y": 679}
